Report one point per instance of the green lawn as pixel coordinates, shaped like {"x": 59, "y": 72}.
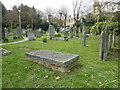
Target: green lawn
{"x": 10, "y": 39}
{"x": 18, "y": 72}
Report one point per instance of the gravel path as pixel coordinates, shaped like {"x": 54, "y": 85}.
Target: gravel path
{"x": 25, "y": 39}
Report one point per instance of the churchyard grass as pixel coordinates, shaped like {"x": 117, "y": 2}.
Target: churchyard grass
{"x": 10, "y": 39}
{"x": 18, "y": 72}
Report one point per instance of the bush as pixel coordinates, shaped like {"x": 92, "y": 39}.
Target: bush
{"x": 57, "y": 35}
{"x": 98, "y": 27}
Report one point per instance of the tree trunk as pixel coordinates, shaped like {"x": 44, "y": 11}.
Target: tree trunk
{"x": 77, "y": 31}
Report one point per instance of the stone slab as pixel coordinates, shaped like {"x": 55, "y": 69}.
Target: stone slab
{"x": 58, "y": 59}
{"x": 4, "y": 52}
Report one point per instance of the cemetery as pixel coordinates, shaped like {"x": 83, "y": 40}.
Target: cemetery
{"x": 43, "y": 50}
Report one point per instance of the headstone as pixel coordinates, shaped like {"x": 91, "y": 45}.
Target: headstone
{"x": 53, "y": 59}
{"x": 110, "y": 42}
{"x": 66, "y": 35}
{"x": 106, "y": 41}
{"x": 6, "y": 32}
{"x": 51, "y": 31}
{"x": 71, "y": 33}
{"x": 102, "y": 46}
{"x": 84, "y": 35}
{"x": 37, "y": 33}
{"x": 19, "y": 32}
{"x": 0, "y": 21}
{"x": 30, "y": 34}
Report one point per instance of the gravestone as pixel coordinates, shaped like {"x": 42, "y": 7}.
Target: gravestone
{"x": 38, "y": 33}
{"x": 53, "y": 59}
{"x": 51, "y": 31}
{"x": 6, "y": 32}
{"x": 84, "y": 35}
{"x": 19, "y": 32}
{"x": 71, "y": 33}
{"x": 66, "y": 35}
{"x": 4, "y": 52}
{"x": 110, "y": 42}
{"x": 106, "y": 40}
{"x": 102, "y": 46}
{"x": 0, "y": 21}
{"x": 30, "y": 34}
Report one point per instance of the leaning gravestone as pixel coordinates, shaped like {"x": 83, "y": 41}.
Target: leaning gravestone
{"x": 51, "y": 31}
{"x": 30, "y": 34}
{"x": 19, "y": 32}
{"x": 102, "y": 46}
{"x": 56, "y": 60}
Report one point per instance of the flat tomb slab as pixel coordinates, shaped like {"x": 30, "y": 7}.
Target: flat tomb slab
{"x": 4, "y": 51}
{"x": 56, "y": 60}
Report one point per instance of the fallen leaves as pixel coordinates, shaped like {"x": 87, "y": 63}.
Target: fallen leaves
{"x": 92, "y": 76}
{"x": 57, "y": 78}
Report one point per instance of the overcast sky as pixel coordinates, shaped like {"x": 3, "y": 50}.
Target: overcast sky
{"x": 42, "y": 4}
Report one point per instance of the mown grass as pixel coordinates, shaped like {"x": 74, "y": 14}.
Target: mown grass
{"x": 10, "y": 39}
{"x": 18, "y": 72}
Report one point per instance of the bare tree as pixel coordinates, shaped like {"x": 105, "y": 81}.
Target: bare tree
{"x": 49, "y": 12}
{"x": 63, "y": 12}
{"x": 76, "y": 13}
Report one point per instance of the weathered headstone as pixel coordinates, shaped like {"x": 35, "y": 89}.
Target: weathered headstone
{"x": 51, "y": 31}
{"x": 106, "y": 40}
{"x": 110, "y": 42}
{"x": 102, "y": 46}
{"x": 30, "y": 34}
{"x": 66, "y": 35}
{"x": 0, "y": 21}
{"x": 37, "y": 33}
{"x": 56, "y": 60}
{"x": 6, "y": 32}
{"x": 71, "y": 33}
{"x": 19, "y": 32}
{"x": 84, "y": 35}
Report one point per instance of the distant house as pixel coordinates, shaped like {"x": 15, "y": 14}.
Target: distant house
{"x": 70, "y": 22}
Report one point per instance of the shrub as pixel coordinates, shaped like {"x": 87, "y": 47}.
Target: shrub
{"x": 57, "y": 35}
{"x": 98, "y": 27}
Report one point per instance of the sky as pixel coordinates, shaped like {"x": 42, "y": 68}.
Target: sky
{"x": 42, "y": 4}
